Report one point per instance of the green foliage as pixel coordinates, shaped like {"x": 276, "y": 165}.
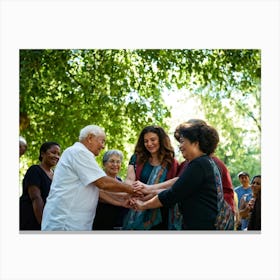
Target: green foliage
{"x": 239, "y": 146}
{"x": 62, "y": 91}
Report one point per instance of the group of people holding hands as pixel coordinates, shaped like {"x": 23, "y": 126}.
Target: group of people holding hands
{"x": 158, "y": 193}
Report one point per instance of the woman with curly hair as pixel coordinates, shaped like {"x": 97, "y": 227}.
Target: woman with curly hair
{"x": 152, "y": 162}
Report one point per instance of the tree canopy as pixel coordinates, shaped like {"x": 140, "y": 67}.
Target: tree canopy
{"x": 62, "y": 91}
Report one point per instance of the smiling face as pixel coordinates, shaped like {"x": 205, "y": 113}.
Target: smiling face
{"x": 113, "y": 165}
{"x": 244, "y": 180}
{"x": 22, "y": 148}
{"x": 51, "y": 156}
{"x": 151, "y": 142}
{"x": 189, "y": 150}
{"x": 256, "y": 185}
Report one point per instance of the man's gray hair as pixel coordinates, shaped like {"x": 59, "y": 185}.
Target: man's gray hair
{"x": 22, "y": 140}
{"x": 90, "y": 129}
{"x": 110, "y": 153}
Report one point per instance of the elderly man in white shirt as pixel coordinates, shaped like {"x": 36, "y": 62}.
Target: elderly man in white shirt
{"x": 74, "y": 192}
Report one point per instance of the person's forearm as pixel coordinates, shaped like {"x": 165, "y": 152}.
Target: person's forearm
{"x": 111, "y": 198}
{"x": 128, "y": 181}
{"x": 244, "y": 213}
{"x": 164, "y": 185}
{"x": 38, "y": 206}
{"x": 152, "y": 194}
{"x": 37, "y": 202}
{"x": 148, "y": 196}
{"x": 118, "y": 195}
{"x": 130, "y": 176}
{"x": 110, "y": 184}
{"x": 152, "y": 203}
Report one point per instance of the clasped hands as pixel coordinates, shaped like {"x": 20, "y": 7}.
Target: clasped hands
{"x": 142, "y": 192}
{"x": 250, "y": 204}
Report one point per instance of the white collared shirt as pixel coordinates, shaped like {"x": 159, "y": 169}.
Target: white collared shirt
{"x": 73, "y": 198}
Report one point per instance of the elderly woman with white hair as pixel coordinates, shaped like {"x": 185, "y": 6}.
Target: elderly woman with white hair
{"x": 111, "y": 208}
{"x": 74, "y": 193}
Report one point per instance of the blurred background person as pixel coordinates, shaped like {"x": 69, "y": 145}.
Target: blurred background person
{"x": 152, "y": 162}
{"x": 110, "y": 210}
{"x": 243, "y": 189}
{"x": 36, "y": 186}
{"x": 237, "y": 218}
{"x": 250, "y": 211}
{"x": 22, "y": 146}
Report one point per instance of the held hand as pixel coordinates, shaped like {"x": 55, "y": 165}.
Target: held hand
{"x": 137, "y": 193}
{"x": 126, "y": 203}
{"x": 139, "y": 186}
{"x": 136, "y": 184}
{"x": 251, "y": 203}
{"x": 139, "y": 205}
{"x": 136, "y": 204}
